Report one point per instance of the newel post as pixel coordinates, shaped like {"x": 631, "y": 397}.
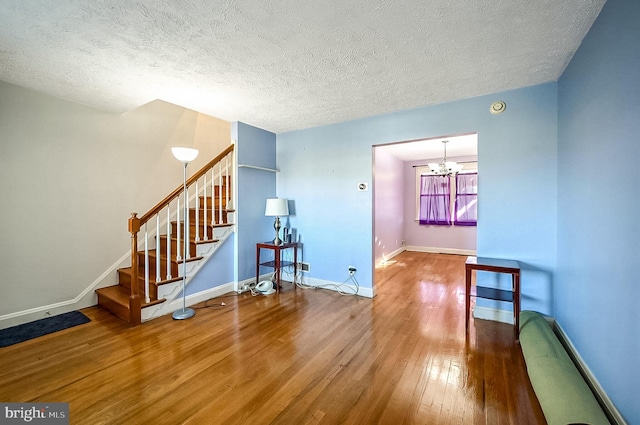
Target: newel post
{"x": 135, "y": 303}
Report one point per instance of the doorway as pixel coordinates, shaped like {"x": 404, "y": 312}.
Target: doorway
{"x": 396, "y": 181}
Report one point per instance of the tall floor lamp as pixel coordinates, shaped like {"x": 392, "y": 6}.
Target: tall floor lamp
{"x": 184, "y": 155}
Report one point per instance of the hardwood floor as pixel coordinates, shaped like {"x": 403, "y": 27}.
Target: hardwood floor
{"x": 298, "y": 357}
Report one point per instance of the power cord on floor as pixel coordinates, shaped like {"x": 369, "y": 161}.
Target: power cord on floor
{"x": 208, "y": 304}
{"x": 217, "y": 302}
{"x": 350, "y": 286}
{"x": 343, "y": 288}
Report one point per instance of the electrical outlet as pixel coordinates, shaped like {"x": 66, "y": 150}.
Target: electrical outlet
{"x": 303, "y": 267}
{"x": 352, "y": 270}
{"x": 244, "y": 288}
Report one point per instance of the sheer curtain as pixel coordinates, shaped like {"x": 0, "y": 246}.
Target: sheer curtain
{"x": 434, "y": 200}
{"x": 466, "y": 205}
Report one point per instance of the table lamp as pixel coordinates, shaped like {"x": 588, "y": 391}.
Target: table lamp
{"x": 277, "y": 207}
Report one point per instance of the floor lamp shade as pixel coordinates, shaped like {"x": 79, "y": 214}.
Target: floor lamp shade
{"x": 277, "y": 207}
{"x": 184, "y": 155}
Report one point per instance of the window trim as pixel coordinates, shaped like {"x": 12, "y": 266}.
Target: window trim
{"x": 468, "y": 167}
{"x": 465, "y": 196}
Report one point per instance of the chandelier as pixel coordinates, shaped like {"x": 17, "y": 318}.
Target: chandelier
{"x": 445, "y": 168}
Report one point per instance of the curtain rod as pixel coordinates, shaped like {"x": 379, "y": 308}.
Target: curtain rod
{"x": 459, "y": 162}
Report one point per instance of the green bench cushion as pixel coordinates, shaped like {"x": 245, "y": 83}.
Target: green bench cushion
{"x": 563, "y": 394}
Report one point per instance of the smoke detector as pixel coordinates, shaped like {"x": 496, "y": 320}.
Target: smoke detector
{"x": 498, "y": 107}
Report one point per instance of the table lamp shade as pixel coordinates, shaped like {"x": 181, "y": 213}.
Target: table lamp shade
{"x": 276, "y": 207}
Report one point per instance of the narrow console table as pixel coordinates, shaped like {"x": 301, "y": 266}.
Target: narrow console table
{"x": 277, "y": 262}
{"x": 497, "y": 266}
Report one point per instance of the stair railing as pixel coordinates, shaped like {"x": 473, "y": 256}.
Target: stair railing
{"x": 214, "y": 178}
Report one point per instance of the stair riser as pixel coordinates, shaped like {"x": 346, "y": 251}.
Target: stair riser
{"x": 124, "y": 279}
{"x": 163, "y": 247}
{"x": 152, "y": 264}
{"x": 217, "y": 189}
{"x": 217, "y": 202}
{"x": 216, "y": 215}
{"x": 125, "y": 273}
{"x": 192, "y": 231}
{"x": 113, "y": 307}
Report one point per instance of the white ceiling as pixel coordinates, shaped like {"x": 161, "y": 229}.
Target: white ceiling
{"x": 289, "y": 64}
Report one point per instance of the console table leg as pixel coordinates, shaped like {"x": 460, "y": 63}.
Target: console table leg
{"x": 516, "y": 304}
{"x": 467, "y": 298}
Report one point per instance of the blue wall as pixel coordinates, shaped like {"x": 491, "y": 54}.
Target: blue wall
{"x": 215, "y": 272}
{"x": 254, "y": 147}
{"x": 598, "y": 226}
{"x": 517, "y": 154}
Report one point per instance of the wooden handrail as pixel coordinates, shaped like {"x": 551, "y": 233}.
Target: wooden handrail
{"x": 155, "y": 210}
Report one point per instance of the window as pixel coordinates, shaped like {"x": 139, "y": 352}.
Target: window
{"x": 435, "y": 206}
{"x": 466, "y": 205}
{"x": 462, "y": 204}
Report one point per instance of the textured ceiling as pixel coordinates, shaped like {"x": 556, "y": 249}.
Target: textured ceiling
{"x": 290, "y": 64}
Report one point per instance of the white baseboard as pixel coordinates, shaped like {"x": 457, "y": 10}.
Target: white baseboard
{"x": 158, "y": 310}
{"x": 488, "y": 313}
{"x": 610, "y": 409}
{"x": 335, "y": 286}
{"x": 251, "y": 280}
{"x": 387, "y": 257}
{"x": 87, "y": 298}
{"x": 208, "y": 294}
{"x": 438, "y": 250}
{"x": 505, "y": 316}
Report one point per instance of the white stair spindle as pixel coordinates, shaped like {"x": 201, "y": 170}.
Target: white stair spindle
{"x": 157, "y": 248}
{"x": 206, "y": 229}
{"x": 213, "y": 195}
{"x": 146, "y": 265}
{"x": 197, "y": 213}
{"x": 187, "y": 227}
{"x": 178, "y": 256}
{"x": 169, "y": 241}
{"x": 220, "y": 193}
{"x": 226, "y": 179}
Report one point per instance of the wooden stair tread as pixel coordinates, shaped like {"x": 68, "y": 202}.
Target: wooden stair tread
{"x": 202, "y": 242}
{"x": 151, "y": 281}
{"x": 152, "y": 302}
{"x": 201, "y": 219}
{"x": 223, "y": 224}
{"x": 120, "y": 295}
{"x": 117, "y": 294}
{"x": 192, "y": 241}
{"x": 152, "y": 254}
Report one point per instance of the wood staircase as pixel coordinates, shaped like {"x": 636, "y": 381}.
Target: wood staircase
{"x": 213, "y": 212}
